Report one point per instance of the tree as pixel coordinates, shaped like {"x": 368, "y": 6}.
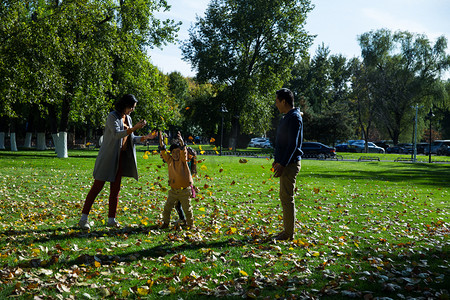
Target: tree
{"x": 76, "y": 54}
{"x": 323, "y": 82}
{"x": 401, "y": 69}
{"x": 201, "y": 112}
{"x": 179, "y": 92}
{"x": 364, "y": 100}
{"x": 248, "y": 46}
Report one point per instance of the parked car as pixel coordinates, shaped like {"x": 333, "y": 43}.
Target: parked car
{"x": 447, "y": 152}
{"x": 258, "y": 142}
{"x": 382, "y": 144}
{"x": 409, "y": 148}
{"x": 371, "y": 147}
{"x": 438, "y": 147}
{"x": 396, "y": 149}
{"x": 443, "y": 147}
{"x": 421, "y": 147}
{"x": 267, "y": 144}
{"x": 342, "y": 148}
{"x": 314, "y": 149}
{"x": 347, "y": 147}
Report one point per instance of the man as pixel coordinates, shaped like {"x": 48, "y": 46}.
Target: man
{"x": 287, "y": 162}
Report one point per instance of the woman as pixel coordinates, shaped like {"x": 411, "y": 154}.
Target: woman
{"x": 116, "y": 158}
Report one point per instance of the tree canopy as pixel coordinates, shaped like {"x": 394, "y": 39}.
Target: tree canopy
{"x": 400, "y": 70}
{"x": 70, "y": 59}
{"x": 248, "y": 48}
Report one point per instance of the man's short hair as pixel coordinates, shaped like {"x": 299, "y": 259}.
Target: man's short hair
{"x": 287, "y": 95}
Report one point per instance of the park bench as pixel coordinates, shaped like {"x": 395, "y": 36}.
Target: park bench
{"x": 369, "y": 158}
{"x": 320, "y": 156}
{"x": 404, "y": 159}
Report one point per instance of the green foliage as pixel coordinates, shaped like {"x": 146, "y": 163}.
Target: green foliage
{"x": 201, "y": 114}
{"x": 249, "y": 46}
{"x": 321, "y": 84}
{"x": 378, "y": 232}
{"x": 72, "y": 59}
{"x": 401, "y": 69}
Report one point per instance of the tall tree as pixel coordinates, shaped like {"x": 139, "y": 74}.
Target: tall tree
{"x": 323, "y": 82}
{"x": 365, "y": 102}
{"x": 75, "y": 56}
{"x": 248, "y": 46}
{"x": 402, "y": 69}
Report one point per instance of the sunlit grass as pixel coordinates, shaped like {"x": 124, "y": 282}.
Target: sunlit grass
{"x": 363, "y": 228}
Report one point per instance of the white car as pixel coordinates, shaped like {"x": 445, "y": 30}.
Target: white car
{"x": 267, "y": 144}
{"x": 258, "y": 142}
{"x": 371, "y": 147}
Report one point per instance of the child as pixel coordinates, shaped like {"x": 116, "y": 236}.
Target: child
{"x": 180, "y": 180}
{"x": 192, "y": 163}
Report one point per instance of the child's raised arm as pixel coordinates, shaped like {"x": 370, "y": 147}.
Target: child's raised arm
{"x": 180, "y": 139}
{"x": 161, "y": 141}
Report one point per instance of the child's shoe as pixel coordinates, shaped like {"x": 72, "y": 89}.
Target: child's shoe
{"x": 113, "y": 224}
{"x": 84, "y": 225}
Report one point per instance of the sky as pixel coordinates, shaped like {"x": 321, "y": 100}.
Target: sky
{"x": 337, "y": 24}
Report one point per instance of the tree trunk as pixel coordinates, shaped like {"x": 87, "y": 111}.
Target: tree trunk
{"x": 28, "y": 137}
{"x": 12, "y": 138}
{"x": 61, "y": 136}
{"x": 235, "y": 130}
{"x": 29, "y": 131}
{"x": 2, "y": 140}
{"x": 61, "y": 144}
{"x": 41, "y": 144}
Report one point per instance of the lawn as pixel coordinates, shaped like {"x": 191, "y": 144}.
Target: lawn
{"x": 364, "y": 230}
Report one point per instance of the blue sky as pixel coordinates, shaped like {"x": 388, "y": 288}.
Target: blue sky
{"x": 337, "y": 23}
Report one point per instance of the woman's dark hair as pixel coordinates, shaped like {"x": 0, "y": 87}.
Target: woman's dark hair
{"x": 287, "y": 95}
{"x": 127, "y": 101}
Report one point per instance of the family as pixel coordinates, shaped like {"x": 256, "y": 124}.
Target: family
{"x": 117, "y": 158}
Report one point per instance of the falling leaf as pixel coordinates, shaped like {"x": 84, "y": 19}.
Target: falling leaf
{"x": 243, "y": 273}
{"x": 212, "y": 140}
{"x": 243, "y": 160}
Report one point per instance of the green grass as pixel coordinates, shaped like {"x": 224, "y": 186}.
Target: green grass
{"x": 364, "y": 229}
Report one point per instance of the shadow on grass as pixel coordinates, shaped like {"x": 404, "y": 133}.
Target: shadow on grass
{"x": 33, "y": 154}
{"x": 51, "y": 235}
{"x": 379, "y": 269}
{"x": 26, "y": 237}
{"x": 429, "y": 175}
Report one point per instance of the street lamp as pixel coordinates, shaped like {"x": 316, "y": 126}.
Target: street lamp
{"x": 223, "y": 110}
{"x": 415, "y": 132}
{"x": 430, "y": 115}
